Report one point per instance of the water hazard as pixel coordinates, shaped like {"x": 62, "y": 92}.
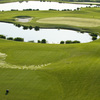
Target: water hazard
{"x": 39, "y": 5}
{"x": 51, "y": 35}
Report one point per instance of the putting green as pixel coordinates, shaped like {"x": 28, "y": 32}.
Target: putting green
{"x": 84, "y": 22}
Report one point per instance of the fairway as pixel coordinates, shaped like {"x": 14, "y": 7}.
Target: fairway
{"x": 82, "y": 22}
{"x": 37, "y": 71}
{"x": 49, "y": 71}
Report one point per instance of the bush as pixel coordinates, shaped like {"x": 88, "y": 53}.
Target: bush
{"x": 18, "y": 25}
{"x": 93, "y": 34}
{"x": 18, "y": 39}
{"x": 43, "y": 41}
{"x": 62, "y": 42}
{"x": 76, "y": 41}
{"x": 2, "y": 36}
{"x": 94, "y": 38}
{"x": 30, "y": 27}
{"x": 37, "y": 28}
{"x": 32, "y": 41}
{"x": 25, "y": 27}
{"x": 68, "y": 42}
{"x": 39, "y": 41}
{"x": 9, "y": 38}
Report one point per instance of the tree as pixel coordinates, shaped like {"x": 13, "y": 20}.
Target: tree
{"x": 32, "y": 41}
{"x": 43, "y": 41}
{"x": 94, "y": 34}
{"x": 94, "y": 38}
{"x": 18, "y": 39}
{"x": 62, "y": 42}
{"x": 9, "y": 38}
{"x": 2, "y": 36}
{"x": 30, "y": 27}
{"x": 25, "y": 27}
{"x": 39, "y": 41}
{"x": 68, "y": 42}
{"x": 37, "y": 28}
{"x": 76, "y": 41}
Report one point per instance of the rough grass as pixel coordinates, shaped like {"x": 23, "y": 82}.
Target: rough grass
{"x": 82, "y": 22}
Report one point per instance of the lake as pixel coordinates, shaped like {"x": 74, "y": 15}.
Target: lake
{"x": 39, "y": 5}
{"x": 51, "y": 35}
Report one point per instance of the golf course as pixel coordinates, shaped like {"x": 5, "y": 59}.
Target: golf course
{"x": 37, "y": 71}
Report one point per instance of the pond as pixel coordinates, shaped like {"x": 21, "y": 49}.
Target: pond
{"x": 39, "y": 5}
{"x": 51, "y": 35}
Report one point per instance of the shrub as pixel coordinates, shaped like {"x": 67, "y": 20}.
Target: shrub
{"x": 30, "y": 27}
{"x": 62, "y": 42}
{"x": 18, "y": 25}
{"x": 76, "y": 41}
{"x": 18, "y": 39}
{"x": 25, "y": 27}
{"x": 2, "y": 36}
{"x": 37, "y": 28}
{"x": 43, "y": 41}
{"x": 9, "y": 38}
{"x": 32, "y": 41}
{"x": 68, "y": 42}
{"x": 94, "y": 34}
{"x": 39, "y": 41}
{"x": 94, "y": 38}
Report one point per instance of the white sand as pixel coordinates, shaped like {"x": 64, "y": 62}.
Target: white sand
{"x": 24, "y": 20}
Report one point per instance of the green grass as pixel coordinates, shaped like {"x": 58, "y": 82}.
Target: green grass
{"x": 72, "y": 71}
{"x": 72, "y": 75}
{"x": 71, "y": 21}
{"x": 87, "y": 19}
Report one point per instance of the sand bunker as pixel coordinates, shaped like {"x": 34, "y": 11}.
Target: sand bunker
{"x": 24, "y": 20}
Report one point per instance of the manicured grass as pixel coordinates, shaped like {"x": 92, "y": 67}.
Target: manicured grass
{"x": 72, "y": 71}
{"x": 87, "y": 19}
{"x": 72, "y": 75}
{"x": 71, "y": 21}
